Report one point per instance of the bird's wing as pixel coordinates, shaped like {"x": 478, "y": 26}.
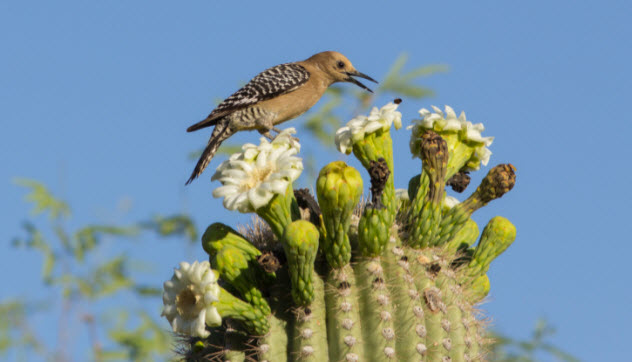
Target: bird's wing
{"x": 268, "y": 84}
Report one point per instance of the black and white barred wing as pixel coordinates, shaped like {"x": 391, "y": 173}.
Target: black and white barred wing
{"x": 268, "y": 84}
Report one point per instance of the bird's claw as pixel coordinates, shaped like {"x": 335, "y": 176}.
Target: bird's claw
{"x": 266, "y": 133}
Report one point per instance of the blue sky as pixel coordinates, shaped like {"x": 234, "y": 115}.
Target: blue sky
{"x": 95, "y": 98}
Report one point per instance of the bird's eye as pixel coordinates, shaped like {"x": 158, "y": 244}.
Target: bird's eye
{"x": 340, "y": 64}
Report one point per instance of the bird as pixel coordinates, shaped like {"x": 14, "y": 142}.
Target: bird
{"x": 276, "y": 95}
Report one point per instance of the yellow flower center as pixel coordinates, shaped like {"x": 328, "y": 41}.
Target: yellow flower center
{"x": 187, "y": 303}
{"x": 257, "y": 176}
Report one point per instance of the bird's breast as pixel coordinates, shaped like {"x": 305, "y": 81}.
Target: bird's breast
{"x": 291, "y": 105}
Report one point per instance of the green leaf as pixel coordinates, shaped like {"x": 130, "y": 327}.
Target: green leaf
{"x": 87, "y": 238}
{"x": 147, "y": 291}
{"x": 64, "y": 238}
{"x": 142, "y": 343}
{"x": 506, "y": 349}
{"x": 35, "y": 240}
{"x": 174, "y": 225}
{"x": 323, "y": 123}
{"x": 404, "y": 83}
{"x": 43, "y": 199}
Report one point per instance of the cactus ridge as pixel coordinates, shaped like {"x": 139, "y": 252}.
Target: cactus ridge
{"x": 356, "y": 308}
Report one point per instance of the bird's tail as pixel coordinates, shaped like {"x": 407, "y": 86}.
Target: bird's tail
{"x": 220, "y": 133}
{"x": 204, "y": 123}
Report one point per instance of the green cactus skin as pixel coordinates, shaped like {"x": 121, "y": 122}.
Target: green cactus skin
{"x": 253, "y": 319}
{"x": 278, "y": 212}
{"x": 301, "y": 246}
{"x": 373, "y": 231}
{"x": 480, "y": 288}
{"x": 406, "y": 299}
{"x": 425, "y": 223}
{"x": 339, "y": 188}
{"x": 405, "y": 304}
{"x": 414, "y": 184}
{"x": 274, "y": 345}
{"x": 386, "y": 297}
{"x": 498, "y": 181}
{"x": 465, "y": 237}
{"x": 374, "y": 147}
{"x": 496, "y": 238}
{"x": 236, "y": 261}
{"x": 310, "y": 329}
{"x": 376, "y": 308}
{"x": 343, "y": 316}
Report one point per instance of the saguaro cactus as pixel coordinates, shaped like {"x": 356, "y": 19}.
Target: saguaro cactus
{"x": 397, "y": 278}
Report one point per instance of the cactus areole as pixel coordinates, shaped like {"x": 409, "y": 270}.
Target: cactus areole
{"x": 332, "y": 278}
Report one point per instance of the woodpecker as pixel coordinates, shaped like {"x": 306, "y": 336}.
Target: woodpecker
{"x": 275, "y": 95}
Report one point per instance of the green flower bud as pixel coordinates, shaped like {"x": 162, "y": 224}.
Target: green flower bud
{"x": 496, "y": 238}
{"x": 465, "y": 237}
{"x": 498, "y": 181}
{"x": 301, "y": 247}
{"x": 373, "y": 231}
{"x": 235, "y": 259}
{"x": 253, "y": 319}
{"x": 218, "y": 235}
{"x": 480, "y": 288}
{"x": 338, "y": 188}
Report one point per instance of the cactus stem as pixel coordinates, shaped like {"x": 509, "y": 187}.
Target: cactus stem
{"x": 236, "y": 260}
{"x": 301, "y": 246}
{"x": 310, "y": 329}
{"x": 343, "y": 316}
{"x": 400, "y": 282}
{"x": 498, "y": 181}
{"x": 464, "y": 238}
{"x": 376, "y": 309}
{"x": 278, "y": 212}
{"x": 253, "y": 319}
{"x": 426, "y": 216}
{"x": 338, "y": 188}
{"x": 274, "y": 345}
{"x": 495, "y": 239}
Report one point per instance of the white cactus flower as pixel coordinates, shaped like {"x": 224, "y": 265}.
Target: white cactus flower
{"x": 188, "y": 299}
{"x": 450, "y": 201}
{"x": 447, "y": 124}
{"x": 360, "y": 126}
{"x": 251, "y": 178}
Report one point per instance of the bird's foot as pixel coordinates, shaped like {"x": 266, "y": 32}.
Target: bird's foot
{"x": 266, "y": 134}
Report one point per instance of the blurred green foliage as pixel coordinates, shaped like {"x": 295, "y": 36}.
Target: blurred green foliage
{"x": 536, "y": 348}
{"x": 79, "y": 277}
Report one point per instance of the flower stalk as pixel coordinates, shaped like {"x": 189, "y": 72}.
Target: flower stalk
{"x": 426, "y": 210}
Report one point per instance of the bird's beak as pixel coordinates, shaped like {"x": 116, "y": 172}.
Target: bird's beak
{"x": 356, "y": 82}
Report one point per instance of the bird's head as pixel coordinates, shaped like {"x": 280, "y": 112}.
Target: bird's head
{"x": 339, "y": 68}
